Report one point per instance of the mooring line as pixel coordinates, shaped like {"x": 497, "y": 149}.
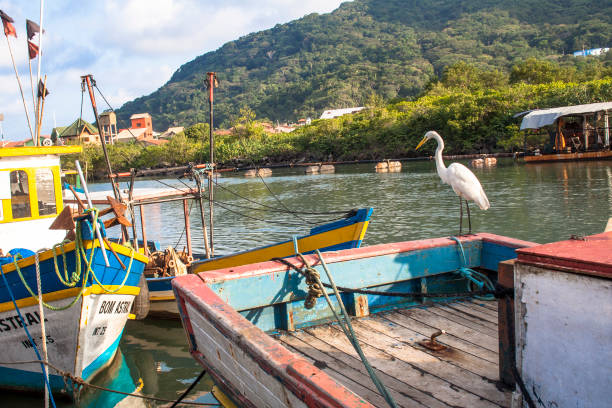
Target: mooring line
{"x": 79, "y": 381}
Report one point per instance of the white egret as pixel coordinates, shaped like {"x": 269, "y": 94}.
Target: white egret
{"x": 460, "y": 178}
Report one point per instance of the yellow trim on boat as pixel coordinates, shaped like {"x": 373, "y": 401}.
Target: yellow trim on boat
{"x": 39, "y": 150}
{"x": 161, "y": 298}
{"x": 306, "y": 244}
{"x": 69, "y": 293}
{"x": 119, "y": 249}
{"x": 222, "y": 398}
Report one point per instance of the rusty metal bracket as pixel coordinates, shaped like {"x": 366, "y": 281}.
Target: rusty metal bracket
{"x": 432, "y": 344}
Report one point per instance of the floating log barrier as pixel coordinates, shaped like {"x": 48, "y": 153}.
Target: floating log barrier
{"x": 312, "y": 170}
{"x": 490, "y": 161}
{"x": 381, "y": 167}
{"x": 263, "y": 172}
{"x": 394, "y": 166}
{"x": 327, "y": 168}
{"x": 477, "y": 163}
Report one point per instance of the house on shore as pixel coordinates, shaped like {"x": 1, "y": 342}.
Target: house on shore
{"x": 335, "y": 113}
{"x": 78, "y": 132}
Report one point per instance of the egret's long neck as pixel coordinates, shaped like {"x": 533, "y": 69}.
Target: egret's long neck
{"x": 440, "y": 167}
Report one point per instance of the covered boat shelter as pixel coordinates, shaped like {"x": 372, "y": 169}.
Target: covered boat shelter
{"x": 573, "y": 128}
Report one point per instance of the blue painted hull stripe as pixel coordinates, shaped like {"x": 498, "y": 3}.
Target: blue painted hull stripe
{"x": 14, "y": 378}
{"x": 102, "y": 359}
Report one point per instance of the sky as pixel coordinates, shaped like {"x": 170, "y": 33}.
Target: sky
{"x": 131, "y": 47}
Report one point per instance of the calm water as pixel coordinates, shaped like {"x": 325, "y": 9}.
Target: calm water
{"x": 536, "y": 202}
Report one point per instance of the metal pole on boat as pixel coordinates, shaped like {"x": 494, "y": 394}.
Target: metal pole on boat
{"x": 25, "y": 107}
{"x": 187, "y": 227}
{"x": 200, "y": 202}
{"x": 40, "y": 53}
{"x": 87, "y": 81}
{"x": 211, "y": 80}
{"x": 86, "y": 191}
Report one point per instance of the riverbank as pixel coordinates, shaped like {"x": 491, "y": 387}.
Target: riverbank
{"x": 471, "y": 122}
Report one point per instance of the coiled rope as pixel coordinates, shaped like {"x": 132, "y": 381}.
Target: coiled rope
{"x": 80, "y": 256}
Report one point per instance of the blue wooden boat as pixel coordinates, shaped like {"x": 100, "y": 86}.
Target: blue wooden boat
{"x": 342, "y": 234}
{"x": 86, "y": 302}
{"x": 264, "y": 345}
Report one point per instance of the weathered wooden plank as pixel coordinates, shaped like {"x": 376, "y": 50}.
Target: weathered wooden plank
{"x": 458, "y": 376}
{"x": 435, "y": 321}
{"x": 480, "y": 307}
{"x": 491, "y": 304}
{"x": 411, "y": 369}
{"x": 233, "y": 364}
{"x": 422, "y": 331}
{"x": 465, "y": 319}
{"x": 388, "y": 377}
{"x": 351, "y": 378}
{"x": 473, "y": 312}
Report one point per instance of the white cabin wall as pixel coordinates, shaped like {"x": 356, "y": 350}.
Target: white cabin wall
{"x": 563, "y": 335}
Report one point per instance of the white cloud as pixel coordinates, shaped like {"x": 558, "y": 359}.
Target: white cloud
{"x": 131, "y": 46}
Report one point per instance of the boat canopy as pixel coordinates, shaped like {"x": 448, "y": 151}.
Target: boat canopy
{"x": 544, "y": 117}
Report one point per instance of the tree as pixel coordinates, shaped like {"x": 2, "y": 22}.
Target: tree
{"x": 535, "y": 71}
{"x": 197, "y": 132}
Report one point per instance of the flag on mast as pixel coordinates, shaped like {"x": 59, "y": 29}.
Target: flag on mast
{"x": 32, "y": 50}
{"x": 32, "y": 28}
{"x": 7, "y": 22}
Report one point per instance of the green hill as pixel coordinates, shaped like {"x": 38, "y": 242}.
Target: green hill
{"x": 369, "y": 49}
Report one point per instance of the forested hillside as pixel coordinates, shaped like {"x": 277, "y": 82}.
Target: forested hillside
{"x": 370, "y": 50}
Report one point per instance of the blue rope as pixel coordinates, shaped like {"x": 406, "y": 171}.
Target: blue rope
{"x": 479, "y": 279}
{"x": 42, "y": 366}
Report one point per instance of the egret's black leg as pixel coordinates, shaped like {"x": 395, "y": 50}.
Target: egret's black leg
{"x": 460, "y": 216}
{"x": 467, "y": 205}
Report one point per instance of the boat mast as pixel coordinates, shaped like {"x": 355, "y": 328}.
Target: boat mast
{"x": 88, "y": 81}
{"x": 38, "y": 121}
{"x": 211, "y": 82}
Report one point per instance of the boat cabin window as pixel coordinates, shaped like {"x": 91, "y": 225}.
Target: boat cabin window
{"x": 20, "y": 194}
{"x": 45, "y": 189}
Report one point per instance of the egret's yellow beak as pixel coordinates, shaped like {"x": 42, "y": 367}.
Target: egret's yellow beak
{"x": 421, "y": 143}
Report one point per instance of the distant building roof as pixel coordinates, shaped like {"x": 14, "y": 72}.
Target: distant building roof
{"x": 544, "y": 117}
{"x": 334, "y": 113}
{"x": 17, "y": 143}
{"x": 126, "y": 135}
{"x": 140, "y": 115}
{"x": 172, "y": 131}
{"x": 75, "y": 129}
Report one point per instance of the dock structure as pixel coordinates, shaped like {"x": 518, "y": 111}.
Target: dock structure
{"x": 579, "y": 132}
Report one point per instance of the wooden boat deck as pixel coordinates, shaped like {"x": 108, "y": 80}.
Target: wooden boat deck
{"x": 466, "y": 374}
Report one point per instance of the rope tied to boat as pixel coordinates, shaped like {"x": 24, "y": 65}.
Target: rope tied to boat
{"x": 479, "y": 279}
{"x": 80, "y": 257}
{"x": 312, "y": 280}
{"x": 345, "y": 322}
{"x": 78, "y": 384}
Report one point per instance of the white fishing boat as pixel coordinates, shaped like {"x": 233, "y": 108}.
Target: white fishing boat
{"x": 87, "y": 292}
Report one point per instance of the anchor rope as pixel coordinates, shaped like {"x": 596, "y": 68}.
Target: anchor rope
{"x": 345, "y": 322}
{"x": 498, "y": 292}
{"x": 82, "y": 383}
{"x": 477, "y": 278}
{"x": 42, "y": 363}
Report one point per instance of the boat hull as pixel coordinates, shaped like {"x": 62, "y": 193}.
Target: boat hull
{"x": 227, "y": 313}
{"x": 343, "y": 234}
{"x": 82, "y": 339}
